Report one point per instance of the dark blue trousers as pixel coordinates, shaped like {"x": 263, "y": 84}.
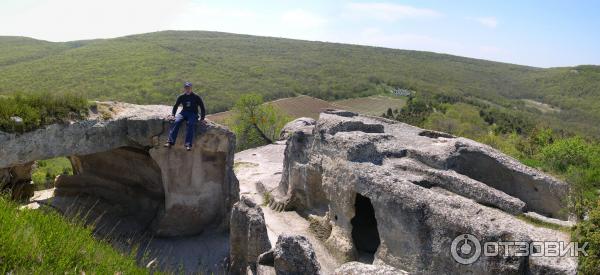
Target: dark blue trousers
{"x": 190, "y": 118}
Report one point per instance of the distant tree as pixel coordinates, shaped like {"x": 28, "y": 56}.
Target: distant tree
{"x": 459, "y": 119}
{"x": 254, "y": 122}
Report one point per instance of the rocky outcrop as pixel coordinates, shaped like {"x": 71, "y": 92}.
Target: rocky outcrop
{"x": 248, "y": 236}
{"x": 118, "y": 156}
{"x": 357, "y": 268}
{"x": 292, "y": 255}
{"x": 399, "y": 195}
{"x": 302, "y": 124}
{"x": 17, "y": 181}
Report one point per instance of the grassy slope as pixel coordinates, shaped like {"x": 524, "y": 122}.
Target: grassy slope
{"x": 294, "y": 107}
{"x": 36, "y": 242}
{"x": 149, "y": 68}
{"x": 14, "y": 50}
{"x": 372, "y": 105}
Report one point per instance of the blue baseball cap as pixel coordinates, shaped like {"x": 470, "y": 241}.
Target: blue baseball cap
{"x": 187, "y": 84}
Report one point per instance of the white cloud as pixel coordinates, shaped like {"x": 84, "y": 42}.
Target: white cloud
{"x": 302, "y": 19}
{"x": 387, "y": 11}
{"x": 490, "y": 22}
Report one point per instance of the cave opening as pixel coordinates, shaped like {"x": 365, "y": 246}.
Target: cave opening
{"x": 115, "y": 191}
{"x": 21, "y": 181}
{"x": 364, "y": 229}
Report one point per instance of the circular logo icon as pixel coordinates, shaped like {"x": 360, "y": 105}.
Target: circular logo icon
{"x": 466, "y": 249}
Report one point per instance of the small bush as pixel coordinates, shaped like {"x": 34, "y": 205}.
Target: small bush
{"x": 565, "y": 153}
{"x": 589, "y": 231}
{"x": 45, "y": 172}
{"x": 36, "y": 110}
{"x": 254, "y": 122}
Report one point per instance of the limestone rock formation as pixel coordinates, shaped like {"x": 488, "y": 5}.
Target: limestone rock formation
{"x": 398, "y": 195}
{"x": 17, "y": 181}
{"x": 357, "y": 268}
{"x": 299, "y": 124}
{"x": 118, "y": 156}
{"x": 294, "y": 255}
{"x": 248, "y": 236}
{"x": 266, "y": 264}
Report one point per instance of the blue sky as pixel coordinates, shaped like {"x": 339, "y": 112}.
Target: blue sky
{"x": 537, "y": 33}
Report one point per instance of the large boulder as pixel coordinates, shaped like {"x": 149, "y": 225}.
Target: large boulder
{"x": 300, "y": 124}
{"x": 248, "y": 236}
{"x": 398, "y": 195}
{"x": 118, "y": 156}
{"x": 294, "y": 255}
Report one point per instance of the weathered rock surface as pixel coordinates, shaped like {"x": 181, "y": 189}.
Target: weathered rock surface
{"x": 294, "y": 255}
{"x": 248, "y": 236}
{"x": 259, "y": 172}
{"x": 122, "y": 160}
{"x": 17, "y": 181}
{"x": 357, "y": 268}
{"x": 302, "y": 124}
{"x": 398, "y": 195}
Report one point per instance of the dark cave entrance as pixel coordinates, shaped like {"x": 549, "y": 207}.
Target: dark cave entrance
{"x": 364, "y": 229}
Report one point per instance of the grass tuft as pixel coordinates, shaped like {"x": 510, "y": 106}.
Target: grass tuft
{"x": 540, "y": 223}
{"x": 44, "y": 242}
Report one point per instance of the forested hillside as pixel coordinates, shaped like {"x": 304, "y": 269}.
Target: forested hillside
{"x": 149, "y": 68}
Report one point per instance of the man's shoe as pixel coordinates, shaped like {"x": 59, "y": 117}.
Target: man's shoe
{"x": 188, "y": 148}
{"x": 168, "y": 145}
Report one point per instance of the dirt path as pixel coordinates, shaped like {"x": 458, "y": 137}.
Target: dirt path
{"x": 264, "y": 164}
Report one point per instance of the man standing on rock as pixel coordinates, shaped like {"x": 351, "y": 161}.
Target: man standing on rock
{"x": 189, "y": 113}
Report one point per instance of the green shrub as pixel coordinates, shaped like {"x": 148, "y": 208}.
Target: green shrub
{"x": 506, "y": 121}
{"x": 39, "y": 109}
{"x": 255, "y": 123}
{"x": 589, "y": 231}
{"x": 46, "y": 170}
{"x": 584, "y": 182}
{"x": 458, "y": 119}
{"x": 565, "y": 153}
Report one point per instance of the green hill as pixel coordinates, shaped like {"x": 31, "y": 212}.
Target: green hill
{"x": 149, "y": 68}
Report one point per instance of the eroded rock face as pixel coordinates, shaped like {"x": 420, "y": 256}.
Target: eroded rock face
{"x": 398, "y": 195}
{"x": 248, "y": 236}
{"x": 122, "y": 160}
{"x": 126, "y": 176}
{"x": 357, "y": 268}
{"x": 294, "y": 255}
{"x": 17, "y": 181}
{"x": 302, "y": 124}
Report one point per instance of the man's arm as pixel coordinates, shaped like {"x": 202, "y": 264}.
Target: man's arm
{"x": 202, "y": 109}
{"x": 177, "y": 103}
